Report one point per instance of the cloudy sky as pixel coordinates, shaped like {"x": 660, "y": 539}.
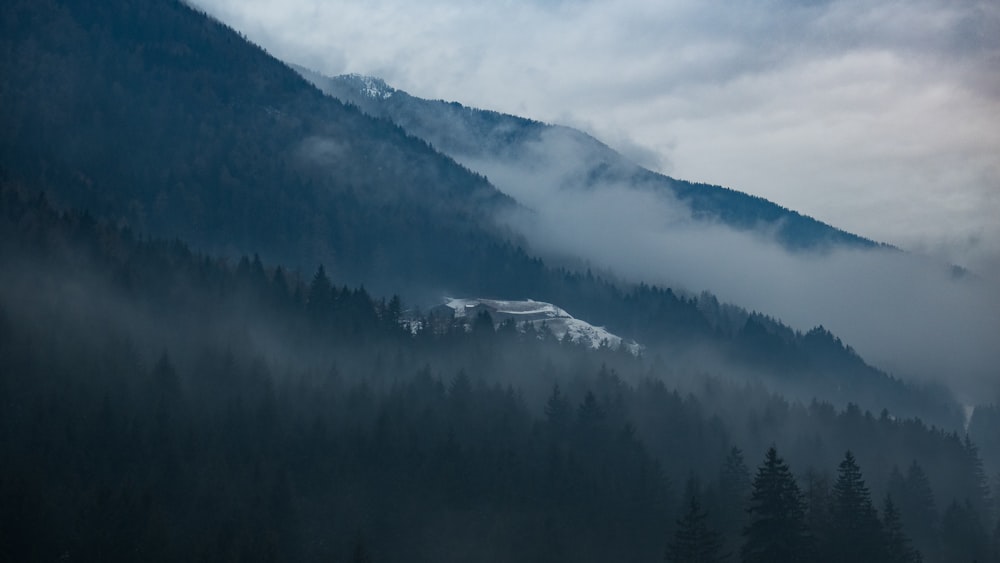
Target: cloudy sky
{"x": 882, "y": 118}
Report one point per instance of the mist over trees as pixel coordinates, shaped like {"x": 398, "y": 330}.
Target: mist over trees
{"x": 166, "y": 404}
{"x": 217, "y": 343}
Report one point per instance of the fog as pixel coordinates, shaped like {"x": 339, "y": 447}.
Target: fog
{"x": 908, "y": 314}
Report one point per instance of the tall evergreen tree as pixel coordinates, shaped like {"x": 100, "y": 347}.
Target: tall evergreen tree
{"x": 963, "y": 537}
{"x": 817, "y": 497}
{"x": 777, "y": 532}
{"x": 557, "y": 411}
{"x": 320, "y": 297}
{"x": 978, "y": 485}
{"x": 856, "y": 533}
{"x": 589, "y": 413}
{"x": 693, "y": 540}
{"x": 734, "y": 496}
{"x": 897, "y": 545}
{"x": 918, "y": 511}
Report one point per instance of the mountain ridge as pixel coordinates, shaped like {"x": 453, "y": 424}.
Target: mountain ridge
{"x": 467, "y": 133}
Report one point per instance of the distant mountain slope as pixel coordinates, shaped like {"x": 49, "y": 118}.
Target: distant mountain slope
{"x": 152, "y": 112}
{"x": 489, "y": 142}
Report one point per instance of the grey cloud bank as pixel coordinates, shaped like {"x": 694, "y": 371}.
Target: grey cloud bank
{"x": 907, "y": 314}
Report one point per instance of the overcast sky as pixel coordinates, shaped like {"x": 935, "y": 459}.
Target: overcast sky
{"x": 882, "y": 118}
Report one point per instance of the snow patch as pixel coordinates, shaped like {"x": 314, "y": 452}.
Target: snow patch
{"x": 538, "y": 313}
{"x": 374, "y": 88}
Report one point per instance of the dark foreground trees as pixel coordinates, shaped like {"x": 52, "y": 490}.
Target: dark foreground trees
{"x": 840, "y": 527}
{"x": 160, "y": 405}
{"x": 856, "y": 533}
{"x": 777, "y": 532}
{"x": 694, "y": 541}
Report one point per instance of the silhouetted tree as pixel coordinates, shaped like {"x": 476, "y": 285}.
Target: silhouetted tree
{"x": 897, "y": 545}
{"x": 777, "y": 532}
{"x": 557, "y": 411}
{"x": 978, "y": 485}
{"x": 917, "y": 509}
{"x": 693, "y": 541}
{"x": 818, "y": 519}
{"x": 856, "y": 533}
{"x": 734, "y": 496}
{"x": 963, "y": 537}
{"x": 320, "y": 297}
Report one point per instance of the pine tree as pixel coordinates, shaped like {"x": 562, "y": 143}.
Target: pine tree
{"x": 693, "y": 541}
{"x": 897, "y": 545}
{"x": 856, "y": 533}
{"x": 320, "y": 295}
{"x": 963, "y": 537}
{"x": 557, "y": 411}
{"x": 777, "y": 531}
{"x": 734, "y": 495}
{"x": 978, "y": 485}
{"x": 279, "y": 285}
{"x": 589, "y": 413}
{"x": 817, "y": 497}
{"x": 917, "y": 508}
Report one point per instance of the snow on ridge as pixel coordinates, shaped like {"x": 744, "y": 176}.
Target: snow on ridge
{"x": 526, "y": 307}
{"x": 373, "y": 87}
{"x": 539, "y": 313}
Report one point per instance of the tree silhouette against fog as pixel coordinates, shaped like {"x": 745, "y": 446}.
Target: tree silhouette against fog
{"x": 777, "y": 531}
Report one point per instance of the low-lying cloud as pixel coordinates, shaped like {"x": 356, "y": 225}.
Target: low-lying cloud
{"x": 879, "y": 118}
{"x": 903, "y": 312}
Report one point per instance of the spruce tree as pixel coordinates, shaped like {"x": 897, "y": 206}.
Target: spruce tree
{"x": 897, "y": 545}
{"x": 320, "y": 296}
{"x": 963, "y": 537}
{"x": 734, "y": 495}
{"x": 777, "y": 532}
{"x": 917, "y": 509}
{"x": 978, "y": 486}
{"x": 817, "y": 497}
{"x": 693, "y": 541}
{"x": 856, "y": 533}
{"x": 557, "y": 411}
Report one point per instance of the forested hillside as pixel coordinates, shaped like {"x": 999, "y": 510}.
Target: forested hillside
{"x": 162, "y": 404}
{"x": 218, "y": 343}
{"x": 155, "y": 115}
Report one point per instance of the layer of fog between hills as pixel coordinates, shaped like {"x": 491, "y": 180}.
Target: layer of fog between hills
{"x": 906, "y": 313}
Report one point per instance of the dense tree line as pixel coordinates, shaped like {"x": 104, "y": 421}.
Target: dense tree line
{"x": 160, "y": 404}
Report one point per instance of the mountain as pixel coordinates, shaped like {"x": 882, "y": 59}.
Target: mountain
{"x": 153, "y": 115}
{"x": 588, "y": 204}
{"x": 156, "y": 114}
{"x": 212, "y": 346}
{"x": 506, "y": 147}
